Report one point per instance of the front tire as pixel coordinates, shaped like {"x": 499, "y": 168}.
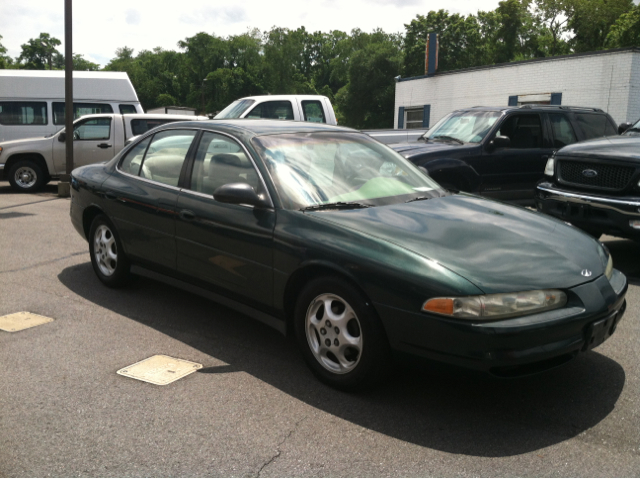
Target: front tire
{"x": 340, "y": 335}
{"x": 109, "y": 262}
{"x": 26, "y": 176}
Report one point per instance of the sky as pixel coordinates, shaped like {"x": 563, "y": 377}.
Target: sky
{"x": 99, "y": 28}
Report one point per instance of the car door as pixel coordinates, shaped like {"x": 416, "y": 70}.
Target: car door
{"x": 512, "y": 172}
{"x": 93, "y": 142}
{"x": 142, "y": 196}
{"x": 225, "y": 245}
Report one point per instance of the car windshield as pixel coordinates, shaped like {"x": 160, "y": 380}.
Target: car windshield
{"x": 463, "y": 126}
{"x": 234, "y": 110}
{"x": 340, "y": 169}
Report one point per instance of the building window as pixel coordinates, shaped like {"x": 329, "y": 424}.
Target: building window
{"x": 413, "y": 118}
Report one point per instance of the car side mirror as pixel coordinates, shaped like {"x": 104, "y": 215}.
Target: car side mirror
{"x": 624, "y": 127}
{"x": 500, "y": 142}
{"x": 62, "y": 137}
{"x": 238, "y": 194}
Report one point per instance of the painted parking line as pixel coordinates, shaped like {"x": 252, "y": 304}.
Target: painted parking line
{"x": 15, "y": 322}
{"x": 160, "y": 369}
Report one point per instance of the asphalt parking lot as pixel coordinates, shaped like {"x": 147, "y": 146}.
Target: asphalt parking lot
{"x": 254, "y": 409}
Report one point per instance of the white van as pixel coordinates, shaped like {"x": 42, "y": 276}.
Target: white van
{"x": 32, "y": 101}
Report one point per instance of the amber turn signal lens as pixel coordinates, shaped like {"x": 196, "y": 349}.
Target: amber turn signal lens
{"x": 439, "y": 305}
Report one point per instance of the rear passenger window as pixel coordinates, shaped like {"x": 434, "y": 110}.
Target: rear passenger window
{"x": 563, "y": 133}
{"x": 127, "y": 109}
{"x": 133, "y": 159}
{"x": 313, "y": 111}
{"x": 79, "y": 109}
{"x": 594, "y": 125}
{"x": 524, "y": 131}
{"x": 23, "y": 113}
{"x": 219, "y": 161}
{"x": 275, "y": 110}
{"x": 165, "y": 156}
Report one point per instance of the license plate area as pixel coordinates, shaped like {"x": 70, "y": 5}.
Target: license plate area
{"x": 599, "y": 331}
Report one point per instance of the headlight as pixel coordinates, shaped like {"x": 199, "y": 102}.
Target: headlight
{"x": 548, "y": 169}
{"x": 497, "y": 306}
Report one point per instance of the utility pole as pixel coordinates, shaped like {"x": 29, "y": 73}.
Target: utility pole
{"x": 64, "y": 189}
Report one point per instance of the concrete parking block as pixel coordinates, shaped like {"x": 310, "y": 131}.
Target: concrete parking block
{"x": 160, "y": 369}
{"x": 23, "y": 320}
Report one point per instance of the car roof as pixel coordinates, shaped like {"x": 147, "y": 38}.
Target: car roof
{"x": 532, "y": 107}
{"x": 253, "y": 127}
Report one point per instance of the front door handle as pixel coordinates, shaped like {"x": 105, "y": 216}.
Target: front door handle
{"x": 104, "y": 145}
{"x": 187, "y": 215}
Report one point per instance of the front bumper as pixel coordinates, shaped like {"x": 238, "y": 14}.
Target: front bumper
{"x": 517, "y": 346}
{"x": 591, "y": 212}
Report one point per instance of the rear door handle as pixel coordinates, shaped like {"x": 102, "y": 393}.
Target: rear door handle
{"x": 104, "y": 145}
{"x": 187, "y": 215}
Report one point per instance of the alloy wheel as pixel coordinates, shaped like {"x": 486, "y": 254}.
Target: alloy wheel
{"x": 105, "y": 250}
{"x": 334, "y": 334}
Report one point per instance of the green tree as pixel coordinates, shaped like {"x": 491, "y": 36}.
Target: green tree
{"x": 41, "y": 54}
{"x": 367, "y": 101}
{"x": 5, "y": 60}
{"x": 591, "y": 21}
{"x": 625, "y": 32}
{"x": 82, "y": 64}
{"x": 552, "y": 16}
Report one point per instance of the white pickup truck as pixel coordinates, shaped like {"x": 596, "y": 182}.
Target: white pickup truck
{"x": 30, "y": 163}
{"x": 313, "y": 108}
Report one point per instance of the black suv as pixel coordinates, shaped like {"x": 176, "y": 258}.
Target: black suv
{"x": 501, "y": 152}
{"x": 595, "y": 185}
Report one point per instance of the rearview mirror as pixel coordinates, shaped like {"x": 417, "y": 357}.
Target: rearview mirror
{"x": 238, "y": 194}
{"x": 624, "y": 127}
{"x": 500, "y": 142}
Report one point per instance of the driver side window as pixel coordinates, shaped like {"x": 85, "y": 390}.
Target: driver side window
{"x": 524, "y": 131}
{"x": 220, "y": 161}
{"x": 93, "y": 129}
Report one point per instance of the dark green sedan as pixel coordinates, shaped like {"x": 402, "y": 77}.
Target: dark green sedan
{"x": 324, "y": 232}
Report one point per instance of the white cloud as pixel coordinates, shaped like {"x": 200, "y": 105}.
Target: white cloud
{"x": 133, "y": 17}
{"x": 214, "y": 15}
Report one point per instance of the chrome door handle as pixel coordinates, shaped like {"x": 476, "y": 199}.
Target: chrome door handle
{"x": 104, "y": 145}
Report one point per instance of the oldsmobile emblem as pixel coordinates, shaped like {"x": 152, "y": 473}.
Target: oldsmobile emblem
{"x": 589, "y": 173}
{"x": 586, "y": 273}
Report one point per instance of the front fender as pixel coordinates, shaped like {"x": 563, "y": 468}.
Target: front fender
{"x": 454, "y": 172}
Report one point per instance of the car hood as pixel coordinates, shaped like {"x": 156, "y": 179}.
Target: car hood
{"x": 621, "y": 147}
{"x": 25, "y": 141}
{"x": 497, "y": 247}
{"x": 420, "y": 148}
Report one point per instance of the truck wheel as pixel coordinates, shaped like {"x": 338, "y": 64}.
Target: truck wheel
{"x": 340, "y": 335}
{"x": 26, "y": 176}
{"x": 109, "y": 262}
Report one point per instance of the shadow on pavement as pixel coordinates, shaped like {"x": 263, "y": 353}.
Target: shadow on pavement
{"x": 449, "y": 410}
{"x": 49, "y": 190}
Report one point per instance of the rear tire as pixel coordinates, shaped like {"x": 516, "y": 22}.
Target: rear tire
{"x": 26, "y": 176}
{"x": 109, "y": 262}
{"x": 341, "y": 337}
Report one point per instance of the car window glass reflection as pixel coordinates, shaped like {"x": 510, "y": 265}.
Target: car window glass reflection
{"x": 220, "y": 161}
{"x": 133, "y": 159}
{"x": 165, "y": 156}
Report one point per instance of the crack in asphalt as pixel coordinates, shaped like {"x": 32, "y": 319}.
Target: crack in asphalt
{"x": 43, "y": 263}
{"x": 27, "y": 204}
{"x": 277, "y": 455}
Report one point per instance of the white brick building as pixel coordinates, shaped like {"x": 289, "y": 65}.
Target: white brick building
{"x": 608, "y": 79}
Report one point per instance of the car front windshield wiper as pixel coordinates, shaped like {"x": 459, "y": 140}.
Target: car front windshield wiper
{"x": 419, "y": 198}
{"x": 449, "y": 138}
{"x": 338, "y": 205}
